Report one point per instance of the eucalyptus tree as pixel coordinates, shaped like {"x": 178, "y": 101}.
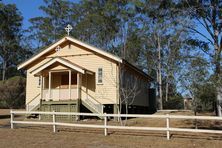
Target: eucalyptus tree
{"x": 10, "y": 37}
{"x": 207, "y": 16}
{"x": 163, "y": 38}
{"x": 50, "y": 27}
{"x": 193, "y": 77}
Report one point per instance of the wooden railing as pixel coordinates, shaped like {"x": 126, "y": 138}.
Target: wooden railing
{"x": 33, "y": 103}
{"x": 105, "y": 126}
{"x": 59, "y": 94}
{"x": 91, "y": 102}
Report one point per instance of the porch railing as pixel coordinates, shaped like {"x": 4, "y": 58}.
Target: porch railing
{"x": 59, "y": 94}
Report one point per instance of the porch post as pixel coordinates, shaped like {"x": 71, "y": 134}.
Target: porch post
{"x": 77, "y": 86}
{"x": 70, "y": 74}
{"x": 80, "y": 85}
{"x": 41, "y": 79}
{"x": 50, "y": 84}
{"x": 86, "y": 86}
{"x": 78, "y": 94}
{"x": 43, "y": 87}
{"x": 43, "y": 83}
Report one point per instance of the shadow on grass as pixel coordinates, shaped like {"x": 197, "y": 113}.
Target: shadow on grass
{"x": 8, "y": 116}
{"x": 4, "y": 116}
{"x": 203, "y": 124}
{"x": 191, "y": 136}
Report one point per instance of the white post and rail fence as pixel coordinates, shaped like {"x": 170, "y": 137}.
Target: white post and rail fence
{"x": 105, "y": 126}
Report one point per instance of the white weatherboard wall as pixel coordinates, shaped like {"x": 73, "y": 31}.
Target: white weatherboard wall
{"x": 32, "y": 87}
{"x": 105, "y": 93}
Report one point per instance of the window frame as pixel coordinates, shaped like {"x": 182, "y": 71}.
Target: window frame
{"x": 99, "y": 77}
{"x": 39, "y": 82}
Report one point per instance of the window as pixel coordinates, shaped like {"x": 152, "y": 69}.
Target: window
{"x": 39, "y": 81}
{"x": 100, "y": 76}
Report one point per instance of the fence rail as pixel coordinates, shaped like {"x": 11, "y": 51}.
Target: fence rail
{"x": 105, "y": 126}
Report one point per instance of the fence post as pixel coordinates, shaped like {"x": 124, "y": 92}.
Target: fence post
{"x": 40, "y": 117}
{"x": 105, "y": 124}
{"x": 12, "y": 118}
{"x": 168, "y": 126}
{"x": 54, "y": 121}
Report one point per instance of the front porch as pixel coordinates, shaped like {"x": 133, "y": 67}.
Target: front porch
{"x": 61, "y": 85}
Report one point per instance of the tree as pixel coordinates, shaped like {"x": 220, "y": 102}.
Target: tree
{"x": 97, "y": 22}
{"x": 207, "y": 16}
{"x": 193, "y": 77}
{"x": 206, "y": 96}
{"x": 50, "y": 27}
{"x": 163, "y": 38}
{"x": 11, "y": 50}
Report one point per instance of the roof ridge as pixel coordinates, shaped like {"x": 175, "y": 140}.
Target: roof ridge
{"x": 81, "y": 43}
{"x": 95, "y": 47}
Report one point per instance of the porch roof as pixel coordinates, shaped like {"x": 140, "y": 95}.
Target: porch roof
{"x": 63, "y": 62}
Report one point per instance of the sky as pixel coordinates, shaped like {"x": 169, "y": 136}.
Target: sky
{"x": 28, "y": 8}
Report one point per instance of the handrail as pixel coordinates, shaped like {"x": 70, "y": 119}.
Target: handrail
{"x": 91, "y": 97}
{"x": 93, "y": 103}
{"x": 33, "y": 103}
{"x": 61, "y": 88}
{"x": 33, "y": 99}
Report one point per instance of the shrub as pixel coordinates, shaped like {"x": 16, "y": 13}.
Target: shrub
{"x": 12, "y": 93}
{"x": 175, "y": 102}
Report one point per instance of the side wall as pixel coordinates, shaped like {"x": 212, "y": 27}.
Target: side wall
{"x": 133, "y": 83}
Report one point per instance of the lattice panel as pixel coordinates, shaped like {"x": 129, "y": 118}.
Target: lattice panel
{"x": 59, "y": 108}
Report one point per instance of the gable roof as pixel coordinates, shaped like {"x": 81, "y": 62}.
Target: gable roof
{"x": 137, "y": 70}
{"x": 61, "y": 61}
{"x": 51, "y": 47}
{"x": 90, "y": 47}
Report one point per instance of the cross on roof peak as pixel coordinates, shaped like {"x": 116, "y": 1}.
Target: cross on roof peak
{"x": 68, "y": 28}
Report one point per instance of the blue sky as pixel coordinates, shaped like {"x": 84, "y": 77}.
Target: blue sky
{"x": 28, "y": 8}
